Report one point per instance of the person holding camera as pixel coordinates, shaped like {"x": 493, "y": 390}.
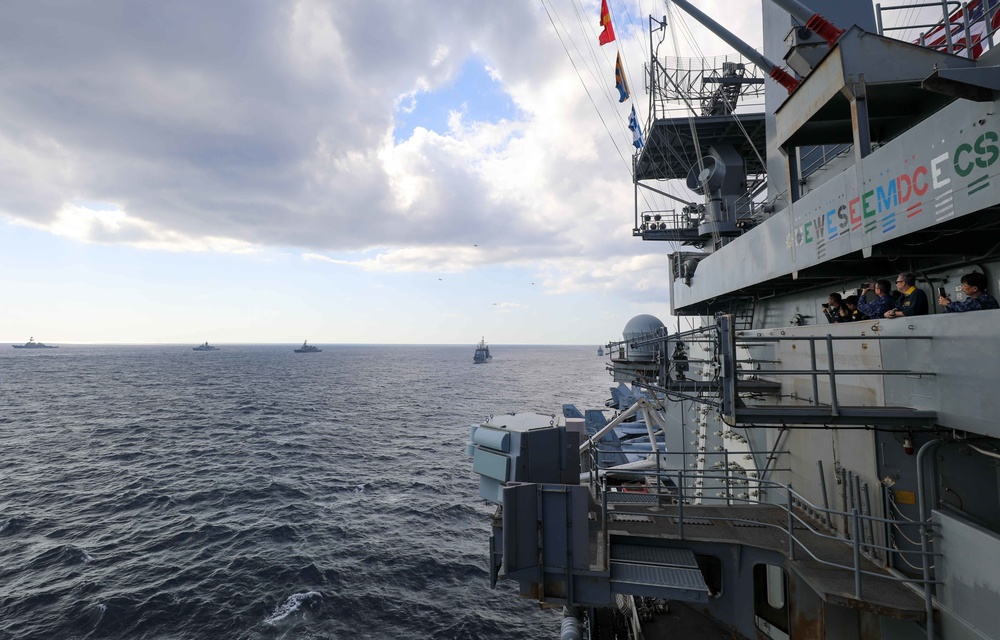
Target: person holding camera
{"x": 974, "y": 287}
{"x": 834, "y": 309}
{"x": 883, "y": 301}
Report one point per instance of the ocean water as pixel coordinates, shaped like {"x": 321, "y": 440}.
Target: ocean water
{"x": 252, "y": 492}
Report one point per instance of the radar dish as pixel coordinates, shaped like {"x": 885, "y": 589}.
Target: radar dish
{"x": 712, "y": 174}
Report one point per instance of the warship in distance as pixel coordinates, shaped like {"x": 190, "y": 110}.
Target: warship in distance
{"x": 205, "y": 347}
{"x": 307, "y": 348}
{"x": 482, "y": 354}
{"x": 31, "y": 344}
{"x": 797, "y": 479}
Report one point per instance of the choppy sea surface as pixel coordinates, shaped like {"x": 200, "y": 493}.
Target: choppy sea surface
{"x": 253, "y": 492}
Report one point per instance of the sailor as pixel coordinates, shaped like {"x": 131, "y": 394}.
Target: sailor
{"x": 878, "y": 307}
{"x": 834, "y": 309}
{"x": 680, "y": 359}
{"x": 912, "y": 302}
{"x": 974, "y": 287}
{"x": 851, "y": 313}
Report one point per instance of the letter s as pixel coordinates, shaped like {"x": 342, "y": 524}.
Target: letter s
{"x": 983, "y": 149}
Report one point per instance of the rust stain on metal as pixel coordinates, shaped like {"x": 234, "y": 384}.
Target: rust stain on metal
{"x": 805, "y": 626}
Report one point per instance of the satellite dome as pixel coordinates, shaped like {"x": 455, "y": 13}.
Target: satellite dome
{"x": 642, "y": 325}
{"x": 639, "y": 327}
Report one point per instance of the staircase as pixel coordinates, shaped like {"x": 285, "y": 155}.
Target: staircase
{"x": 656, "y": 572}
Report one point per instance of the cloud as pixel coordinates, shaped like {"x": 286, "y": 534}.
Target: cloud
{"x": 235, "y": 125}
{"x": 113, "y": 226}
{"x": 507, "y": 307}
{"x": 408, "y": 259}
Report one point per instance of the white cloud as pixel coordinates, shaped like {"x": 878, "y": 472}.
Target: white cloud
{"x": 507, "y": 307}
{"x": 232, "y": 125}
{"x": 115, "y": 226}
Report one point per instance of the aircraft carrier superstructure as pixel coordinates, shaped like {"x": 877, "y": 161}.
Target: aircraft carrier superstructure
{"x": 792, "y": 478}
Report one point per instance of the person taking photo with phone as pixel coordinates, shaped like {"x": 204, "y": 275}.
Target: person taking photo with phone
{"x": 976, "y": 298}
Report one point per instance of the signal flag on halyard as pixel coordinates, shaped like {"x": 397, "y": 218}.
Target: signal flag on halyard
{"x": 633, "y": 124}
{"x": 609, "y": 32}
{"x": 620, "y": 83}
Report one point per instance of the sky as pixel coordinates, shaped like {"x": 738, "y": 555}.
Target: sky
{"x": 367, "y": 171}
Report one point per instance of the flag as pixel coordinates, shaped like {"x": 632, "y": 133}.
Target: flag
{"x": 609, "y": 32}
{"x": 937, "y": 38}
{"x": 620, "y": 83}
{"x": 633, "y": 124}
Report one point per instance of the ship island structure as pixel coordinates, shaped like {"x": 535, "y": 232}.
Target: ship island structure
{"x": 766, "y": 473}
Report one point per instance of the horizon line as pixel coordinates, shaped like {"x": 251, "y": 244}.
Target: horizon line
{"x": 346, "y": 344}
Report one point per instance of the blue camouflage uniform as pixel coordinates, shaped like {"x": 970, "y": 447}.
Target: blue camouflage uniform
{"x": 984, "y": 301}
{"x": 877, "y": 307}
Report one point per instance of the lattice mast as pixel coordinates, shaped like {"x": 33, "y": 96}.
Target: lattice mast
{"x": 706, "y": 86}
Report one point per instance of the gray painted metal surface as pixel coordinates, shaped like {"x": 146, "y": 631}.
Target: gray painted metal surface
{"x": 820, "y": 107}
{"x": 971, "y": 578}
{"x": 686, "y": 585}
{"x": 539, "y": 528}
{"x": 648, "y": 554}
{"x": 916, "y": 190}
{"x": 943, "y": 168}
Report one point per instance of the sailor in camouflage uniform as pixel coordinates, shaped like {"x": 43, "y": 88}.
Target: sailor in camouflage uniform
{"x": 974, "y": 287}
{"x": 877, "y": 307}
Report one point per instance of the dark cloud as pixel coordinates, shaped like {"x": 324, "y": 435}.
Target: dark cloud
{"x": 268, "y": 122}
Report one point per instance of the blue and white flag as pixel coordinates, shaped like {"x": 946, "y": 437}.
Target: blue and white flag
{"x": 633, "y": 124}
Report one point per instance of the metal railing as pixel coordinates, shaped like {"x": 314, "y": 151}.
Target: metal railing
{"x": 665, "y": 219}
{"x": 732, "y": 477}
{"x": 794, "y": 505}
{"x": 831, "y": 372}
{"x": 704, "y": 85}
{"x": 813, "y": 159}
{"x": 958, "y": 35}
{"x": 648, "y": 352}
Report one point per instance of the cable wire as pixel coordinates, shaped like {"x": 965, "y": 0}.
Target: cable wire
{"x": 584, "y": 84}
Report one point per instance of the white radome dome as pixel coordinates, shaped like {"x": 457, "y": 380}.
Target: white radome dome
{"x": 641, "y": 325}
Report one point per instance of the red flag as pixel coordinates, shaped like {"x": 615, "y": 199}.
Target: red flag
{"x": 609, "y": 33}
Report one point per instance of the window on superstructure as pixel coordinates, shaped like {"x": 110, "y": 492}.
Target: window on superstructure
{"x": 770, "y": 601}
